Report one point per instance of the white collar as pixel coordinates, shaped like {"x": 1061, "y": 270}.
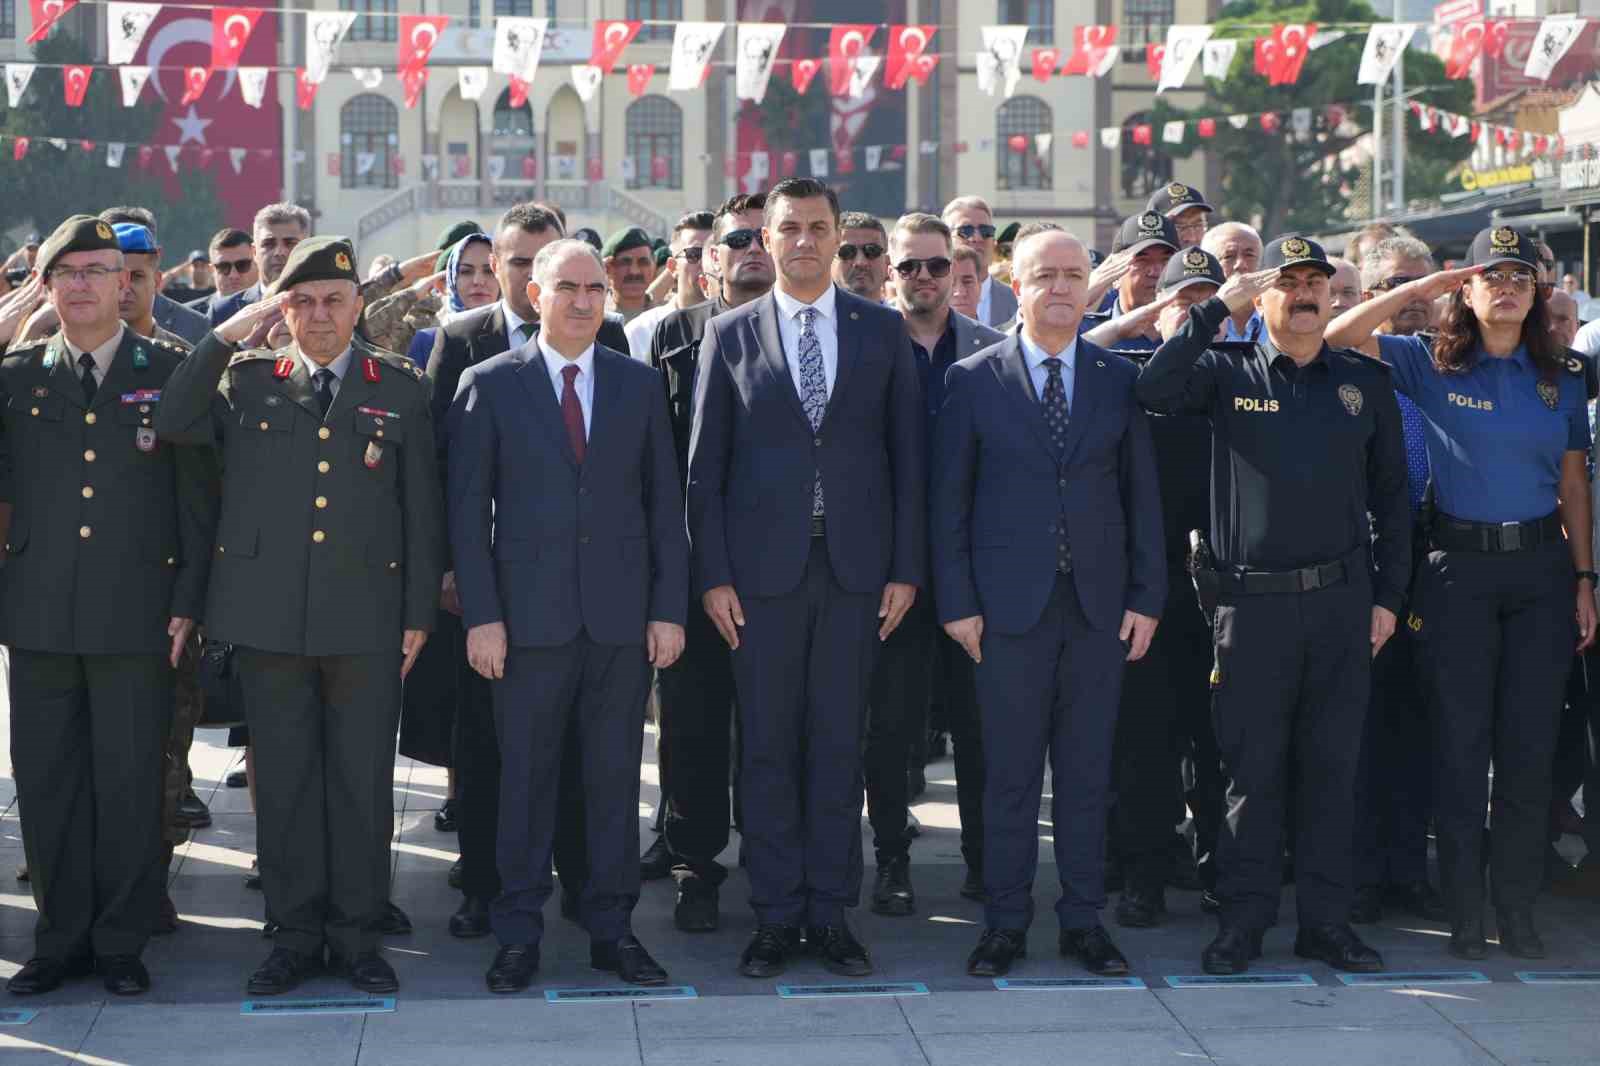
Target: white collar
{"x": 554, "y": 360}
{"x": 1036, "y": 355}
{"x": 789, "y": 307}
{"x": 340, "y": 366}
{"x": 514, "y": 321}
{"x": 102, "y": 355}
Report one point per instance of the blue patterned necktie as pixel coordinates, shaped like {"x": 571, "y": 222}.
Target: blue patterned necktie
{"x": 1055, "y": 405}
{"x": 813, "y": 387}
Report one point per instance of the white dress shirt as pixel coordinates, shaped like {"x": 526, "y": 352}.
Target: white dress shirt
{"x": 642, "y": 329}
{"x": 985, "y": 299}
{"x": 102, "y": 356}
{"x": 554, "y": 362}
{"x": 826, "y": 327}
{"x": 1588, "y": 339}
{"x": 339, "y": 366}
{"x": 514, "y": 322}
{"x": 1035, "y": 357}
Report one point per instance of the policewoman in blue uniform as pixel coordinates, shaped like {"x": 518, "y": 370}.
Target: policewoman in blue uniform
{"x": 1506, "y": 590}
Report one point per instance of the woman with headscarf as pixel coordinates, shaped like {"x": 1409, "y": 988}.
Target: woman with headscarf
{"x": 469, "y": 284}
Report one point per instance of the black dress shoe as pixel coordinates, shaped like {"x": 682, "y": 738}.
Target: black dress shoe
{"x": 1230, "y": 951}
{"x": 391, "y": 921}
{"x": 237, "y": 779}
{"x": 841, "y": 952}
{"x": 1467, "y": 939}
{"x": 1419, "y": 900}
{"x": 282, "y": 972}
{"x": 45, "y": 974}
{"x": 1366, "y": 906}
{"x": 1209, "y": 902}
{"x": 252, "y": 880}
{"x": 471, "y": 919}
{"x": 191, "y": 812}
{"x": 972, "y": 887}
{"x": 1141, "y": 907}
{"x": 1518, "y": 936}
{"x": 769, "y": 950}
{"x": 444, "y": 819}
{"x": 696, "y": 910}
{"x": 1093, "y": 948}
{"x": 513, "y": 968}
{"x": 166, "y": 921}
{"x": 997, "y": 949}
{"x": 628, "y": 959}
{"x": 368, "y": 972}
{"x": 124, "y": 975}
{"x": 1337, "y": 945}
{"x": 657, "y": 860}
{"x": 456, "y": 877}
{"x": 892, "y": 894}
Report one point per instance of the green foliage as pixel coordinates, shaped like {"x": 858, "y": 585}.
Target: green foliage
{"x": 49, "y": 184}
{"x": 1296, "y": 182}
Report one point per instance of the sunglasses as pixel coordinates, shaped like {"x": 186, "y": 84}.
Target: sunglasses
{"x": 847, "y": 252}
{"x": 692, "y": 255}
{"x": 938, "y": 267}
{"x": 740, "y": 239}
{"x": 1395, "y": 282}
{"x": 226, "y": 267}
{"x": 1517, "y": 279}
{"x": 970, "y": 231}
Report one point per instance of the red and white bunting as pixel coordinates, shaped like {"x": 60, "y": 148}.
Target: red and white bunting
{"x": 757, "y": 50}
{"x": 230, "y": 31}
{"x": 46, "y": 13}
{"x": 907, "y": 45}
{"x": 418, "y": 34}
{"x": 74, "y": 84}
{"x": 611, "y": 36}
{"x": 126, "y": 25}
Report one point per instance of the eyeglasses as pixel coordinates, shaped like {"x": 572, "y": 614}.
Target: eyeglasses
{"x": 1517, "y": 279}
{"x": 90, "y": 274}
{"x": 847, "y": 252}
{"x": 692, "y": 255}
{"x": 227, "y": 266}
{"x": 1394, "y": 283}
{"x": 740, "y": 239}
{"x": 970, "y": 231}
{"x": 938, "y": 267}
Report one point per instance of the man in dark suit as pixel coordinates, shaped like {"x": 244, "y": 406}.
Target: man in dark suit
{"x": 170, "y": 315}
{"x": 806, "y": 512}
{"x": 573, "y": 574}
{"x": 971, "y": 221}
{"x": 233, "y": 262}
{"x": 1050, "y": 572}
{"x": 464, "y": 342}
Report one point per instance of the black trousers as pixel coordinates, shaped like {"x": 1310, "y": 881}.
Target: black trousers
{"x": 1571, "y": 762}
{"x": 1053, "y": 689}
{"x": 323, "y": 730}
{"x": 802, "y": 669}
{"x": 1393, "y": 789}
{"x": 958, "y": 687}
{"x": 550, "y": 699}
{"x": 1205, "y": 786}
{"x": 1160, "y": 694}
{"x": 1293, "y": 675}
{"x": 1496, "y": 642}
{"x": 1591, "y": 751}
{"x": 897, "y": 713}
{"x": 87, "y": 737}
{"x": 693, "y": 756}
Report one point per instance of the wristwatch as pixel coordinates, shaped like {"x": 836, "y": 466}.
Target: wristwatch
{"x": 1594, "y": 578}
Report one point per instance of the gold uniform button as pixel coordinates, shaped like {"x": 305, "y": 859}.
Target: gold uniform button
{"x": 322, "y": 501}
{"x": 394, "y": 566}
{"x": 324, "y": 433}
{"x": 323, "y": 467}
{"x": 35, "y": 412}
{"x": 319, "y": 536}
{"x": 264, "y": 425}
{"x": 88, "y": 492}
{"x": 85, "y": 532}
{"x": 379, "y": 433}
{"x": 144, "y": 421}
{"x": 89, "y": 419}
{"x": 88, "y": 456}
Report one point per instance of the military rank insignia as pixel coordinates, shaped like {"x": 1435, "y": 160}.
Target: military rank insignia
{"x": 373, "y": 456}
{"x": 1414, "y": 623}
{"x": 1351, "y": 397}
{"x": 369, "y": 370}
{"x": 283, "y": 367}
{"x": 141, "y": 358}
{"x": 144, "y": 438}
{"x": 1550, "y": 393}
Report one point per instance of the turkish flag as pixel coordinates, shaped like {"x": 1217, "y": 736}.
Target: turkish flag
{"x": 803, "y": 71}
{"x": 1293, "y": 41}
{"x": 1495, "y": 33}
{"x": 519, "y": 92}
{"x": 920, "y": 69}
{"x": 1208, "y": 127}
{"x": 530, "y": 167}
{"x": 206, "y": 155}
{"x": 660, "y": 168}
{"x": 1270, "y": 122}
{"x": 1540, "y": 143}
{"x": 597, "y": 170}
{"x": 88, "y": 146}
{"x": 1080, "y": 139}
{"x": 1266, "y": 55}
{"x": 1153, "y": 55}
{"x": 1091, "y": 47}
{"x": 791, "y": 160}
{"x": 460, "y": 165}
{"x": 194, "y": 83}
{"x": 74, "y": 83}
{"x": 907, "y": 46}
{"x": 897, "y": 151}
{"x": 1141, "y": 133}
{"x": 146, "y": 154}
{"x": 305, "y": 90}
{"x": 1018, "y": 142}
{"x": 418, "y": 35}
{"x": 1335, "y": 115}
{"x": 230, "y": 30}
{"x": 1475, "y": 132}
{"x": 414, "y": 80}
{"x": 397, "y": 165}
{"x": 333, "y": 164}
{"x": 611, "y": 36}
{"x": 844, "y": 161}
{"x": 845, "y": 45}
{"x": 1466, "y": 43}
{"x": 1045, "y": 62}
{"x": 20, "y": 148}
{"x": 46, "y": 13}
{"x": 639, "y": 75}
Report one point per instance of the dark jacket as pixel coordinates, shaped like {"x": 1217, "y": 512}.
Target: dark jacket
{"x": 675, "y": 350}
{"x": 186, "y": 322}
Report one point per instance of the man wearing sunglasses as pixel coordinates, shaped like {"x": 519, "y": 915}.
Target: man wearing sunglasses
{"x": 233, "y": 264}
{"x": 971, "y": 223}
{"x": 684, "y": 263}
{"x": 862, "y": 262}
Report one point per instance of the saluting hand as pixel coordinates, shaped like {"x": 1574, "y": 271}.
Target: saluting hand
{"x": 722, "y": 606}
{"x": 1240, "y": 291}
{"x": 431, "y": 283}
{"x": 968, "y": 632}
{"x": 486, "y": 649}
{"x": 663, "y": 643}
{"x": 1111, "y": 270}
{"x": 254, "y": 319}
{"x": 1382, "y": 628}
{"x": 410, "y": 647}
{"x": 418, "y": 266}
{"x": 180, "y": 630}
{"x": 1442, "y": 283}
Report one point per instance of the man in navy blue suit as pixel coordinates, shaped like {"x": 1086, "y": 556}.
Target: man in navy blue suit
{"x": 806, "y": 513}
{"x": 572, "y": 569}
{"x": 1050, "y": 572}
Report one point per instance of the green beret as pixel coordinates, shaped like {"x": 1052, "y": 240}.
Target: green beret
{"x": 318, "y": 259}
{"x": 442, "y": 263}
{"x": 625, "y": 241}
{"x": 1009, "y": 233}
{"x": 662, "y": 254}
{"x": 449, "y": 237}
{"x": 80, "y": 233}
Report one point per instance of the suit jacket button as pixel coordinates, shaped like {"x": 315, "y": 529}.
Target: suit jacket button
{"x": 323, "y": 467}
{"x": 583, "y": 540}
{"x": 172, "y": 560}
{"x": 394, "y": 566}
{"x": 816, "y": 442}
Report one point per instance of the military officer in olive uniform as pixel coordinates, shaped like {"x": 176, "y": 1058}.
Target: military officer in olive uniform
{"x": 105, "y": 575}
{"x": 325, "y": 577}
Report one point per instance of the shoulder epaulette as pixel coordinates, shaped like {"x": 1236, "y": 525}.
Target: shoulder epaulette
{"x": 169, "y": 346}
{"x": 250, "y": 354}
{"x": 385, "y": 356}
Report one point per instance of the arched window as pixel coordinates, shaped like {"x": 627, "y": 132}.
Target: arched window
{"x": 1145, "y": 168}
{"x": 1025, "y": 167}
{"x": 512, "y": 140}
{"x": 369, "y": 139}
{"x": 655, "y": 144}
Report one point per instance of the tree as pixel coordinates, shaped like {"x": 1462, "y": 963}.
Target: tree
{"x": 49, "y": 183}
{"x": 1297, "y": 182}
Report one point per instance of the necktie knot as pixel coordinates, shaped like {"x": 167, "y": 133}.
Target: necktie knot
{"x": 570, "y": 373}
{"x": 86, "y": 361}
{"x": 323, "y": 378}
{"x": 808, "y": 317}
{"x": 1053, "y": 365}
{"x": 90, "y": 385}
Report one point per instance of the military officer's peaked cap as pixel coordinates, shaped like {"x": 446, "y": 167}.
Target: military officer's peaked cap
{"x": 318, "y": 259}
{"x": 80, "y": 233}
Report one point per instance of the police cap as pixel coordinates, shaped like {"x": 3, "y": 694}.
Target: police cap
{"x": 1145, "y": 230}
{"x": 1293, "y": 251}
{"x": 318, "y": 259}
{"x": 1502, "y": 244}
{"x": 1174, "y": 198}
{"x": 1192, "y": 266}
{"x": 80, "y": 233}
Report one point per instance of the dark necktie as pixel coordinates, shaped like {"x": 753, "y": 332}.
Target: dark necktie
{"x": 572, "y": 411}
{"x": 322, "y": 383}
{"x": 90, "y": 386}
{"x": 1055, "y": 417}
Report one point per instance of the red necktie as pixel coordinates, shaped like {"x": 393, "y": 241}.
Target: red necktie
{"x": 572, "y": 410}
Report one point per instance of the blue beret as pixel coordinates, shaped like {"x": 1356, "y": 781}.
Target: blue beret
{"x": 132, "y": 237}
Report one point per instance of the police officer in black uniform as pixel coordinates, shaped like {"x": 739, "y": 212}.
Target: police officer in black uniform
{"x": 1507, "y": 590}
{"x": 1305, "y": 444}
{"x": 105, "y": 577}
{"x": 325, "y": 577}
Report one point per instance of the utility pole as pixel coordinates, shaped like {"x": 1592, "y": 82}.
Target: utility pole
{"x": 1377, "y": 151}
{"x": 1397, "y": 140}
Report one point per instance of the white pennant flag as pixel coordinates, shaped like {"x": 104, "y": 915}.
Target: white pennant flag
{"x": 1460, "y": 125}
{"x": 518, "y": 43}
{"x": 133, "y": 79}
{"x": 1386, "y": 43}
{"x": 692, "y": 45}
{"x": 1000, "y": 62}
{"x": 861, "y": 75}
{"x": 368, "y": 78}
{"x": 58, "y": 143}
{"x": 586, "y": 79}
{"x": 236, "y": 157}
{"x": 755, "y": 178}
{"x": 1323, "y": 38}
{"x": 1238, "y": 122}
{"x": 172, "y": 151}
{"x": 472, "y": 81}
{"x": 1556, "y": 35}
{"x": 365, "y": 161}
{"x": 430, "y": 166}
{"x": 126, "y": 25}
{"x": 1300, "y": 120}
{"x": 497, "y": 167}
{"x": 17, "y": 77}
{"x": 324, "y": 31}
{"x": 1183, "y": 48}
{"x": 1216, "y": 58}
{"x": 758, "y": 53}
{"x": 629, "y": 170}
{"x": 874, "y": 156}
{"x": 253, "y": 85}
{"x": 114, "y": 152}
{"x": 1527, "y": 142}
{"x": 1042, "y": 143}
{"x": 1172, "y": 133}
{"x": 819, "y": 162}
{"x": 1110, "y": 137}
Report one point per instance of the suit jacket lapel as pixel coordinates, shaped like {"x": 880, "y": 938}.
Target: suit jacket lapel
{"x": 847, "y": 322}
{"x": 769, "y": 344}
{"x": 607, "y": 397}
{"x": 535, "y": 377}
{"x": 1013, "y": 370}
{"x": 1087, "y": 380}
{"x": 297, "y": 386}
{"x": 492, "y": 337}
